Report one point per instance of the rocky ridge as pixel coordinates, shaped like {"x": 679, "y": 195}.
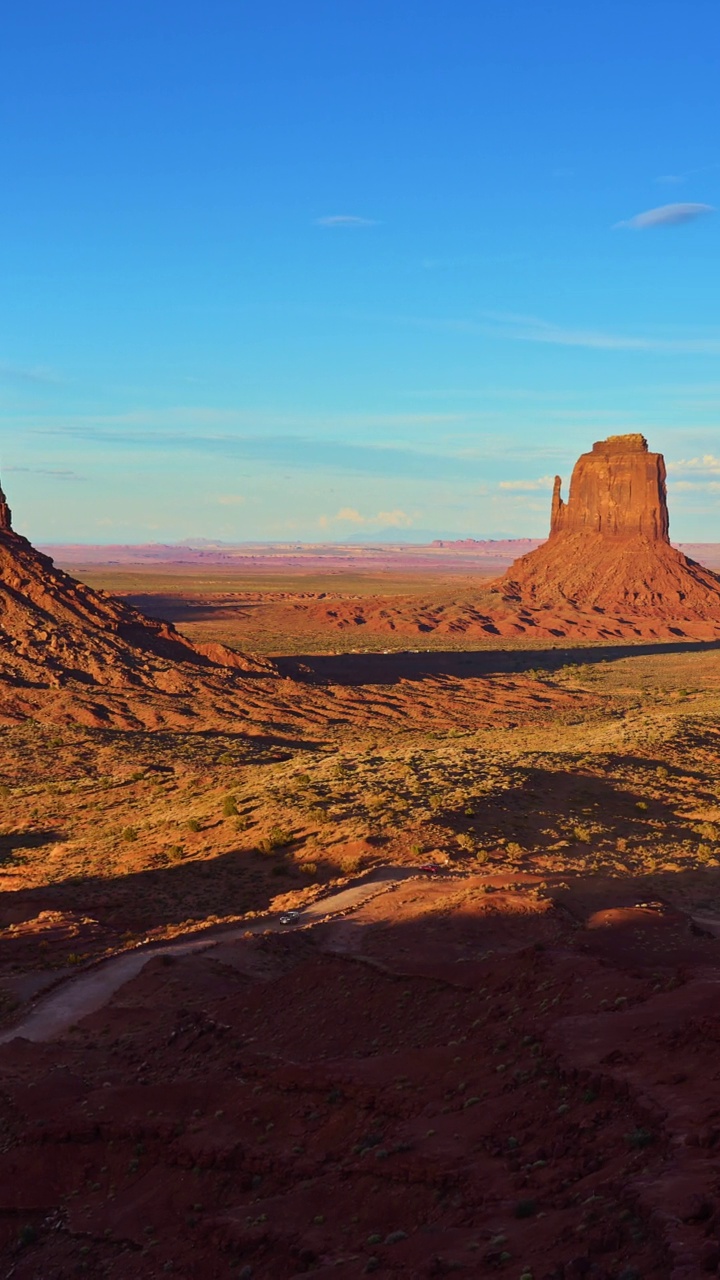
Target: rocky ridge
{"x": 56, "y": 633}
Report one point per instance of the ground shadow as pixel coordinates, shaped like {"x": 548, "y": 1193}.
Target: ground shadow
{"x": 11, "y": 842}
{"x": 458, "y": 1082}
{"x": 180, "y": 609}
{"x": 390, "y": 668}
{"x": 585, "y": 811}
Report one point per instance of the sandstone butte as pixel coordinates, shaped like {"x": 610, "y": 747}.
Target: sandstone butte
{"x": 609, "y": 546}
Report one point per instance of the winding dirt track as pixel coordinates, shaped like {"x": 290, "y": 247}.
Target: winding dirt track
{"x": 74, "y": 999}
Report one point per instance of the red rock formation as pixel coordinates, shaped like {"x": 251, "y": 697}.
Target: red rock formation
{"x": 5, "y": 512}
{"x": 617, "y": 491}
{"x": 57, "y": 633}
{"x": 609, "y": 548}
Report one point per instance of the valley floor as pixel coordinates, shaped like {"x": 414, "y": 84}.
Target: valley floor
{"x": 503, "y": 1067}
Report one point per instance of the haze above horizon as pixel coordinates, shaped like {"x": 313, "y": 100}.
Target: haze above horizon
{"x": 322, "y": 271}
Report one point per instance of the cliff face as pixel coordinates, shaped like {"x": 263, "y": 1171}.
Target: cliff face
{"x": 609, "y": 546}
{"x": 616, "y": 491}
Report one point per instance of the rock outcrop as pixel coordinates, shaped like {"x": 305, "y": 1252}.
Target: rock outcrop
{"x": 609, "y": 547}
{"x": 59, "y": 634}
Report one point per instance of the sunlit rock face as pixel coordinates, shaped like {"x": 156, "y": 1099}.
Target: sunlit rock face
{"x": 616, "y": 491}
{"x": 609, "y": 546}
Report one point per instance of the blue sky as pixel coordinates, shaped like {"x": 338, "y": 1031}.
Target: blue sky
{"x": 352, "y": 268}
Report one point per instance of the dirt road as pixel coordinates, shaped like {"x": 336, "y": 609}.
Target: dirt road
{"x": 61, "y": 1008}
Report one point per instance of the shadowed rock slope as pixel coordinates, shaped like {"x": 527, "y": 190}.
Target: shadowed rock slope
{"x": 609, "y": 549}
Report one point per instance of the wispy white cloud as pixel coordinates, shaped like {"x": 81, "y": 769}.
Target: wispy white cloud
{"x": 666, "y": 215}
{"x": 527, "y": 486}
{"x": 345, "y": 220}
{"x": 707, "y": 465}
{"x": 396, "y": 519}
{"x": 231, "y": 499}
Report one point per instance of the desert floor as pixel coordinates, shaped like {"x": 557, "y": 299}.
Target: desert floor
{"x": 507, "y": 1066}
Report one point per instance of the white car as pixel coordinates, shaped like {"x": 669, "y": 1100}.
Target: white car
{"x": 289, "y": 917}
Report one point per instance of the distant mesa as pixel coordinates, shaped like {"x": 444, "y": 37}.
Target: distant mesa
{"x": 492, "y": 548}
{"x": 609, "y": 545}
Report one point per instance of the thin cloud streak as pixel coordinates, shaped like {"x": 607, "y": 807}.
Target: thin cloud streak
{"x": 672, "y": 179}
{"x": 345, "y": 220}
{"x": 293, "y": 452}
{"x": 666, "y": 215}
{"x": 534, "y": 329}
{"x": 36, "y": 374}
{"x": 56, "y": 473}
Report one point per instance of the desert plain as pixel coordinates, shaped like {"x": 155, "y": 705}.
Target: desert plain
{"x": 391, "y": 949}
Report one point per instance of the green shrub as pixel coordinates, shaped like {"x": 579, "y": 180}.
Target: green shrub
{"x": 193, "y": 824}
{"x": 129, "y": 833}
{"x": 277, "y": 838}
{"x": 316, "y": 814}
{"x": 230, "y": 807}
{"x": 351, "y": 864}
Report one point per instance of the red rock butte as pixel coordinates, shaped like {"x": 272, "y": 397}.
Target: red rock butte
{"x": 609, "y": 546}
{"x": 617, "y": 491}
